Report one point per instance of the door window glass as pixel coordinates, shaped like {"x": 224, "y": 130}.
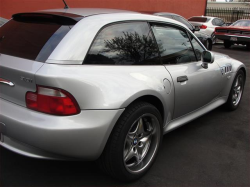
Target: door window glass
{"x": 198, "y": 49}
{"x": 174, "y": 45}
{"x": 124, "y": 44}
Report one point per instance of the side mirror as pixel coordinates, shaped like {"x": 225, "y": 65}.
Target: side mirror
{"x": 197, "y": 28}
{"x": 207, "y": 57}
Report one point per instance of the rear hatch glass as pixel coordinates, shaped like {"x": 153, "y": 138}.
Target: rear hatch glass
{"x": 26, "y": 42}
{"x": 29, "y": 39}
{"x": 199, "y": 19}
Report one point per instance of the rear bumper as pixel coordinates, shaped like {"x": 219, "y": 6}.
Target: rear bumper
{"x": 228, "y": 37}
{"x": 39, "y": 135}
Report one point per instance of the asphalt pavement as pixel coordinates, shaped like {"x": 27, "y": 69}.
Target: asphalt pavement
{"x": 213, "y": 150}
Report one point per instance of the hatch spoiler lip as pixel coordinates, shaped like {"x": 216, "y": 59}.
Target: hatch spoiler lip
{"x": 69, "y": 16}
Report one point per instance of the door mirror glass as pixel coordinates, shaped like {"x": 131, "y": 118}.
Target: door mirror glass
{"x": 207, "y": 57}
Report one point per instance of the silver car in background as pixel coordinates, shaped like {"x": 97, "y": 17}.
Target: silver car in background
{"x": 105, "y": 85}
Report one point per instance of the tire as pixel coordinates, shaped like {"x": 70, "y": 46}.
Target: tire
{"x": 248, "y": 46}
{"x": 227, "y": 44}
{"x": 135, "y": 138}
{"x": 210, "y": 45}
{"x": 213, "y": 38}
{"x": 236, "y": 91}
{"x": 206, "y": 43}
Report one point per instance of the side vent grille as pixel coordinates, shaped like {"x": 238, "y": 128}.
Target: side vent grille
{"x": 226, "y": 69}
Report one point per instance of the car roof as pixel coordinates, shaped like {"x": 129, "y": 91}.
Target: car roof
{"x": 88, "y": 11}
{"x": 166, "y": 13}
{"x": 203, "y": 17}
{"x": 68, "y": 50}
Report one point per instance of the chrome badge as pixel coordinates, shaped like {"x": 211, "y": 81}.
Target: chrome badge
{"x": 25, "y": 79}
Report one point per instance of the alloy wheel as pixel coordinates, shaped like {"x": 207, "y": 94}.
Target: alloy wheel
{"x": 237, "y": 90}
{"x": 141, "y": 143}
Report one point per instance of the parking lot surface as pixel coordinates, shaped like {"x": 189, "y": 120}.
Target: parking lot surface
{"x": 213, "y": 150}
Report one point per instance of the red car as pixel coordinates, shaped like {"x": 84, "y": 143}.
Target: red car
{"x": 237, "y": 33}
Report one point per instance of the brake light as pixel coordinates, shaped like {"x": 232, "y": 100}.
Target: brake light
{"x": 203, "y": 27}
{"x": 52, "y": 101}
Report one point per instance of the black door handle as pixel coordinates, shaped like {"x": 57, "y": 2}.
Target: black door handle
{"x": 182, "y": 79}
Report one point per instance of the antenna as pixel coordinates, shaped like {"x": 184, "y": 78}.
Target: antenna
{"x": 66, "y": 6}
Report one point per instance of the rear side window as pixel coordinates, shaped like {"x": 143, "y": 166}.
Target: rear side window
{"x": 31, "y": 40}
{"x": 124, "y": 44}
{"x": 199, "y": 19}
{"x": 218, "y": 22}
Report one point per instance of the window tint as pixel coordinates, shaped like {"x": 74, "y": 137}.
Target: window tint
{"x": 34, "y": 41}
{"x": 218, "y": 22}
{"x": 221, "y": 22}
{"x": 184, "y": 21}
{"x": 198, "y": 49}
{"x": 242, "y": 23}
{"x": 124, "y": 44}
{"x": 174, "y": 45}
{"x": 199, "y": 19}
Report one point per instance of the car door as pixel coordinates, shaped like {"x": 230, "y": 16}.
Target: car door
{"x": 180, "y": 52}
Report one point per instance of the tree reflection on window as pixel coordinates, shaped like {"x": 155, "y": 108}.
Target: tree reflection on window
{"x": 125, "y": 44}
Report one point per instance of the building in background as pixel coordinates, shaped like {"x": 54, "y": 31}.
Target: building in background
{"x": 228, "y": 3}
{"x": 186, "y": 8}
{"x": 229, "y": 11}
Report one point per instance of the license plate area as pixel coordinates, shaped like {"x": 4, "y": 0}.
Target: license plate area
{"x": 234, "y": 39}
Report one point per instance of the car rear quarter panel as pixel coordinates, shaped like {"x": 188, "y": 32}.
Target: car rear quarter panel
{"x": 97, "y": 87}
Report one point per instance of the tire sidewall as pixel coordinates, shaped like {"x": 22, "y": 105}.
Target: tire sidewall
{"x": 126, "y": 127}
{"x": 230, "y": 104}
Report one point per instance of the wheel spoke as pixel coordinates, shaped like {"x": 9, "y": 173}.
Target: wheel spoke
{"x": 137, "y": 156}
{"x": 131, "y": 153}
{"x": 140, "y": 127}
{"x": 130, "y": 138}
{"x": 141, "y": 142}
{"x": 146, "y": 139}
{"x": 238, "y": 89}
{"x": 236, "y": 83}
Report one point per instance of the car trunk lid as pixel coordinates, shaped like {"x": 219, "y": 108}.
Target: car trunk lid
{"x": 17, "y": 77}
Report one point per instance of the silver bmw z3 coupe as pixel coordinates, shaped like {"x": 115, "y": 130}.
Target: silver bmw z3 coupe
{"x": 106, "y": 85}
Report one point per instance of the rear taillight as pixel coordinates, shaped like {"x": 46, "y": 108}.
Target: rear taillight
{"x": 52, "y": 101}
{"x": 203, "y": 27}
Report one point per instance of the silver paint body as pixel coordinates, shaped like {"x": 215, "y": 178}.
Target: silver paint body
{"x": 102, "y": 92}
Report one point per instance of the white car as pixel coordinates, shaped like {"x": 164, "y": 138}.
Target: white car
{"x": 207, "y": 24}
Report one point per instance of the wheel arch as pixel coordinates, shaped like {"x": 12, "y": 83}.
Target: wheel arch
{"x": 244, "y": 71}
{"x": 152, "y": 99}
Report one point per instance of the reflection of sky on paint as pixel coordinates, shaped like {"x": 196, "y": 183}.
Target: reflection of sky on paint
{"x": 52, "y": 43}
